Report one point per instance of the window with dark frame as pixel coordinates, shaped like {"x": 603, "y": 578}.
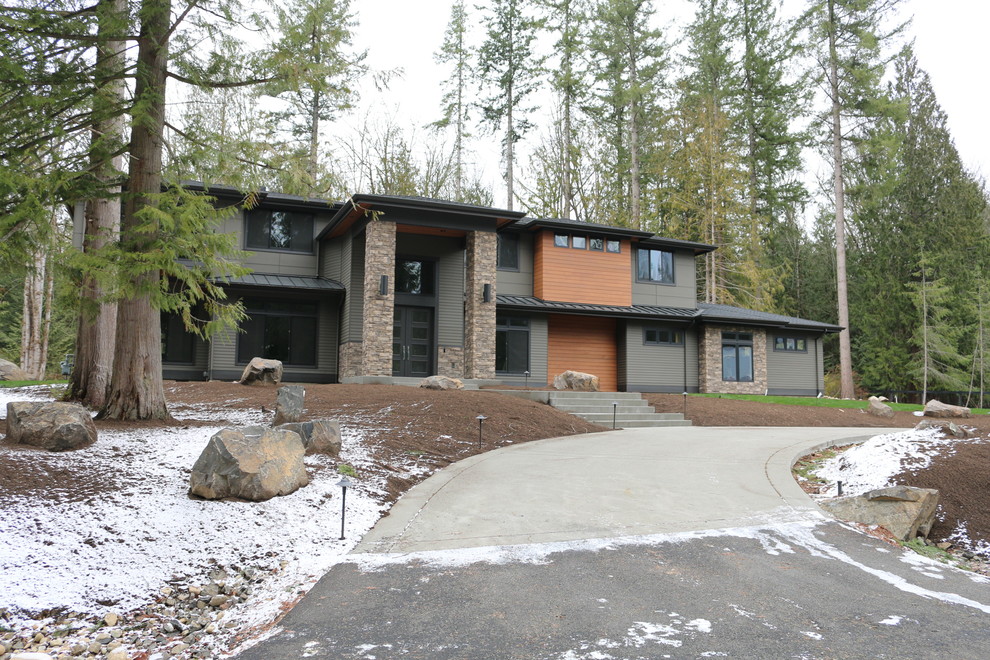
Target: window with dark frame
{"x": 561, "y": 240}
{"x": 279, "y": 230}
{"x": 508, "y": 252}
{"x": 661, "y": 336}
{"x": 285, "y": 331}
{"x": 178, "y": 344}
{"x": 613, "y": 246}
{"x": 596, "y": 244}
{"x": 737, "y": 356}
{"x": 579, "y": 242}
{"x": 511, "y": 345}
{"x": 790, "y": 344}
{"x": 654, "y": 265}
{"x": 415, "y": 276}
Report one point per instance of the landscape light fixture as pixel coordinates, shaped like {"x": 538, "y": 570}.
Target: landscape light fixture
{"x": 343, "y": 483}
{"x": 685, "y": 404}
{"x": 839, "y": 484}
{"x": 383, "y": 286}
{"x": 481, "y": 420}
{"x": 526, "y": 374}
{"x": 615, "y": 406}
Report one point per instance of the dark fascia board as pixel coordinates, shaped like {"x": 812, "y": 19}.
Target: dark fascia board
{"x": 795, "y": 324}
{"x": 357, "y": 202}
{"x": 677, "y": 244}
{"x": 266, "y": 199}
{"x": 526, "y": 303}
{"x": 534, "y": 224}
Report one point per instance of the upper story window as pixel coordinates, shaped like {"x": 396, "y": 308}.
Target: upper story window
{"x": 655, "y": 266}
{"x": 415, "y": 276}
{"x": 508, "y": 252}
{"x": 279, "y": 230}
{"x": 796, "y": 344}
{"x": 612, "y": 246}
{"x": 561, "y": 240}
{"x": 581, "y": 242}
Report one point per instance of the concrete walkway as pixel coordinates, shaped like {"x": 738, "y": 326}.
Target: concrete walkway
{"x": 615, "y": 483}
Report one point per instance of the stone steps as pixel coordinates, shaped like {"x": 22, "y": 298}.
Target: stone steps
{"x": 631, "y": 410}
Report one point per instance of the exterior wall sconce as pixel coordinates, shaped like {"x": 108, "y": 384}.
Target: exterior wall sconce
{"x": 383, "y": 286}
{"x": 486, "y": 295}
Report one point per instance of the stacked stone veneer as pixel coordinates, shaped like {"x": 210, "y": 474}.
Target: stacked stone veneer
{"x": 349, "y": 363}
{"x": 379, "y": 311}
{"x": 710, "y": 362}
{"x": 479, "y": 316}
{"x": 450, "y": 361}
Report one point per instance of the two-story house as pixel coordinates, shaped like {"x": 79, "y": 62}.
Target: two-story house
{"x": 387, "y": 286}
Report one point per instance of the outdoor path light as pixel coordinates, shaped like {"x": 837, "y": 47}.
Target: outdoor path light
{"x": 526, "y": 374}
{"x": 343, "y": 483}
{"x": 481, "y": 420}
{"x": 615, "y": 406}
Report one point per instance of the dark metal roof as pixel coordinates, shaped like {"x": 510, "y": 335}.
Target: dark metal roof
{"x": 265, "y": 197}
{"x": 728, "y": 313}
{"x": 633, "y": 311}
{"x": 297, "y": 282}
{"x": 573, "y": 225}
{"x": 659, "y": 241}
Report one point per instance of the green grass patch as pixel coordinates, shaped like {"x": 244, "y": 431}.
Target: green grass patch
{"x": 808, "y": 465}
{"x": 28, "y": 383}
{"x": 847, "y": 404}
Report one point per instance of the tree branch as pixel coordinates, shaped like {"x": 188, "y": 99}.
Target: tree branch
{"x": 217, "y": 84}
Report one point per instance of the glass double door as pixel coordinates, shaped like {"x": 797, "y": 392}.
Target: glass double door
{"x": 412, "y": 341}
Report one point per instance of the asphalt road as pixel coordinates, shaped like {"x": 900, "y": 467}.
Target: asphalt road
{"x": 759, "y": 573}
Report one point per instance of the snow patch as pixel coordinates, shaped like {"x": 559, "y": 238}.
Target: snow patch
{"x": 892, "y": 620}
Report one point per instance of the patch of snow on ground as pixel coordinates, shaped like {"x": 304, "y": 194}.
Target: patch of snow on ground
{"x": 30, "y": 393}
{"x": 892, "y": 620}
{"x": 121, "y": 548}
{"x": 872, "y": 464}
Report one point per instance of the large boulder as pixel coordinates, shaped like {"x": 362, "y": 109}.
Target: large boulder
{"x": 53, "y": 426}
{"x": 318, "y": 437}
{"x": 252, "y": 463}
{"x": 879, "y": 409}
{"x": 289, "y": 402}
{"x": 260, "y": 371}
{"x": 576, "y": 380}
{"x": 905, "y": 511}
{"x": 936, "y": 408}
{"x": 10, "y": 371}
{"x": 441, "y": 383}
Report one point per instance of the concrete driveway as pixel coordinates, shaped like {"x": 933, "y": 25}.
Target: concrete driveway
{"x": 683, "y": 542}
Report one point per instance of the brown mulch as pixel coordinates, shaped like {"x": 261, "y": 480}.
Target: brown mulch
{"x": 441, "y": 427}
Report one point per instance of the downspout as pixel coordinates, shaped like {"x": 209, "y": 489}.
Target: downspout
{"x": 685, "y": 360}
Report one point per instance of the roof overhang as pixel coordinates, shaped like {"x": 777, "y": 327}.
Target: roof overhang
{"x": 529, "y": 303}
{"x": 283, "y": 282}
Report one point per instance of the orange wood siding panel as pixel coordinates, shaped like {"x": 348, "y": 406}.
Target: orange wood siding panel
{"x": 583, "y": 276}
{"x": 583, "y": 343}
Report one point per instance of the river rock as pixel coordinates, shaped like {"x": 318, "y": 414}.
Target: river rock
{"x": 289, "y": 402}
{"x": 10, "y": 371}
{"x": 576, "y": 380}
{"x": 260, "y": 371}
{"x": 54, "y": 426}
{"x": 252, "y": 463}
{"x": 441, "y": 383}
{"x": 879, "y": 409}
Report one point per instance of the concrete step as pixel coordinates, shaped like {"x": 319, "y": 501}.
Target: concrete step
{"x": 654, "y": 423}
{"x": 606, "y": 418}
{"x": 625, "y": 408}
{"x": 590, "y": 396}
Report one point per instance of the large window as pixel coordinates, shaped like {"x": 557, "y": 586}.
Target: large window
{"x": 508, "y": 252}
{"x": 655, "y": 266}
{"x": 511, "y": 345}
{"x": 279, "y": 230}
{"x": 178, "y": 344}
{"x": 415, "y": 276}
{"x": 283, "y": 331}
{"x": 737, "y": 356}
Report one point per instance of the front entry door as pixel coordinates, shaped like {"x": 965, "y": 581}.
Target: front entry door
{"x": 412, "y": 341}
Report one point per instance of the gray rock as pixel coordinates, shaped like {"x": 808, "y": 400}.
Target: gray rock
{"x": 260, "y": 371}
{"x": 289, "y": 403}
{"x": 253, "y": 463}
{"x": 53, "y": 426}
{"x": 117, "y": 654}
{"x": 879, "y": 409}
{"x": 905, "y": 511}
{"x": 936, "y": 408}
{"x": 576, "y": 380}
{"x": 441, "y": 383}
{"x": 319, "y": 437}
{"x": 10, "y": 371}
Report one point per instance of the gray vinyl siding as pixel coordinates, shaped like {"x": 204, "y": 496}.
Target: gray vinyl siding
{"x": 794, "y": 372}
{"x": 683, "y": 293}
{"x": 449, "y": 253}
{"x": 226, "y": 367}
{"x": 518, "y": 283}
{"x": 194, "y": 371}
{"x": 276, "y": 262}
{"x": 657, "y": 368}
{"x": 353, "y": 266}
{"x": 538, "y": 342}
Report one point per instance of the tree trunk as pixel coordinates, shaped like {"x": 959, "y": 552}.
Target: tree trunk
{"x": 847, "y": 390}
{"x": 136, "y": 390}
{"x": 32, "y": 320}
{"x": 97, "y": 324}
{"x": 509, "y": 172}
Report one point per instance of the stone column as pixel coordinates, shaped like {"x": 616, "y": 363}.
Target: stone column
{"x": 377, "y": 319}
{"x": 479, "y": 316}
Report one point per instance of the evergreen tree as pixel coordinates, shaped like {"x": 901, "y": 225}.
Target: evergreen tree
{"x": 456, "y": 52}
{"x": 509, "y": 70}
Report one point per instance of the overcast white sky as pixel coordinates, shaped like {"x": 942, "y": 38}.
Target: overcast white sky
{"x": 951, "y": 44}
